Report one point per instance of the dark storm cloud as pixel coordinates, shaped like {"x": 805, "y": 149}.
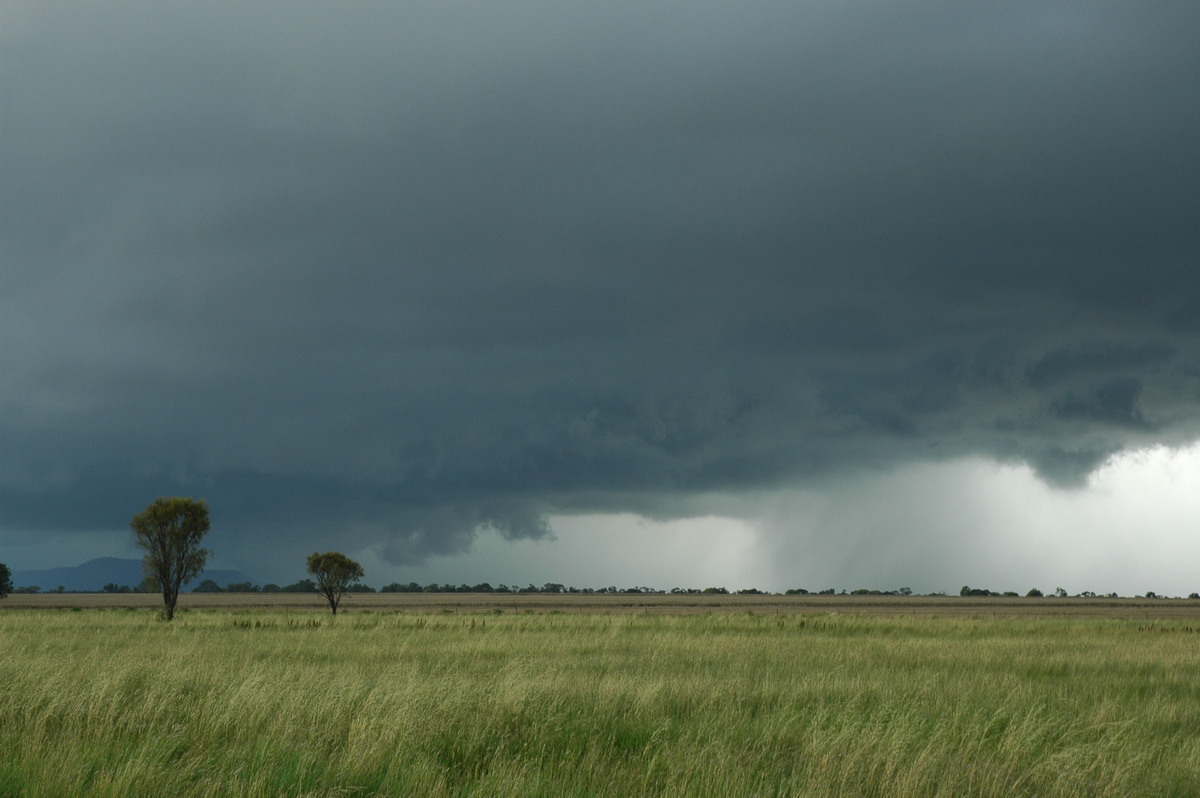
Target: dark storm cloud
{"x": 1114, "y": 402}
{"x": 399, "y": 271}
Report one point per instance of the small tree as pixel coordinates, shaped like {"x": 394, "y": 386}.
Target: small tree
{"x": 169, "y": 531}
{"x": 334, "y": 573}
{"x": 5, "y": 580}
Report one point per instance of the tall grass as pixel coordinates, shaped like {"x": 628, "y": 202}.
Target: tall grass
{"x": 114, "y": 703}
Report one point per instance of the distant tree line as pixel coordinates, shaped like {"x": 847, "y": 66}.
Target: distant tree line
{"x": 145, "y": 586}
{"x": 169, "y": 530}
{"x": 1058, "y": 593}
{"x": 300, "y": 586}
{"x": 35, "y": 589}
{"x": 309, "y": 586}
{"x": 485, "y": 587}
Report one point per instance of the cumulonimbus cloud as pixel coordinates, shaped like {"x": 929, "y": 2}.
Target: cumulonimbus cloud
{"x": 403, "y": 272}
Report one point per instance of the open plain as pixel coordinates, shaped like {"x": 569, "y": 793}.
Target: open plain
{"x": 435, "y": 694}
{"x": 653, "y": 603}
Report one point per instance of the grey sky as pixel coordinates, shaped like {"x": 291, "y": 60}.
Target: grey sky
{"x": 384, "y": 274}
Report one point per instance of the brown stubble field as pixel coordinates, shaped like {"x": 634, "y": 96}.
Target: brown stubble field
{"x": 661, "y": 604}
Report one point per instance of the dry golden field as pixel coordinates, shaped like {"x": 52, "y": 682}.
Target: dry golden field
{"x": 933, "y": 606}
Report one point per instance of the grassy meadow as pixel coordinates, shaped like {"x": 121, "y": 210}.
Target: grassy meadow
{"x": 112, "y": 702}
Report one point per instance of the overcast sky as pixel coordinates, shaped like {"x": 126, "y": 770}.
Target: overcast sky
{"x": 850, "y": 294}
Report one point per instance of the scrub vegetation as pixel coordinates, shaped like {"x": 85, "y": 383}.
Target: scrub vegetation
{"x": 280, "y": 702}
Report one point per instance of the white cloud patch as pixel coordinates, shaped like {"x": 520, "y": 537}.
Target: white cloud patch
{"x": 933, "y": 527}
{"x": 621, "y": 550}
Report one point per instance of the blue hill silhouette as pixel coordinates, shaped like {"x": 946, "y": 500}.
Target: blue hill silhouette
{"x": 95, "y": 574}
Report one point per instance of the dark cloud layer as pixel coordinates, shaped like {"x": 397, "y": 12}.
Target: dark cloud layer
{"x": 400, "y": 271}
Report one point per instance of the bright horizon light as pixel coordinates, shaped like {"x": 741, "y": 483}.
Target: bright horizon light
{"x": 931, "y": 527}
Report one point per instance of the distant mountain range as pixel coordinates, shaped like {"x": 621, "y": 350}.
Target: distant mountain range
{"x": 95, "y": 574}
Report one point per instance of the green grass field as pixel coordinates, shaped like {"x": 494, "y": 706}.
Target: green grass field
{"x": 266, "y": 703}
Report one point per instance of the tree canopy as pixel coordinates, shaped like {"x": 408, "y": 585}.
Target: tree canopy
{"x": 334, "y": 573}
{"x": 169, "y": 530}
{"x": 6, "y": 586}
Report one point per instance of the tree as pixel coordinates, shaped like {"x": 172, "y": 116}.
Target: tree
{"x": 5, "y": 580}
{"x": 169, "y": 531}
{"x": 334, "y": 573}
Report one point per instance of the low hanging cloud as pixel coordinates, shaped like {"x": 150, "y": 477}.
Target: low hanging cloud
{"x": 396, "y": 273}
